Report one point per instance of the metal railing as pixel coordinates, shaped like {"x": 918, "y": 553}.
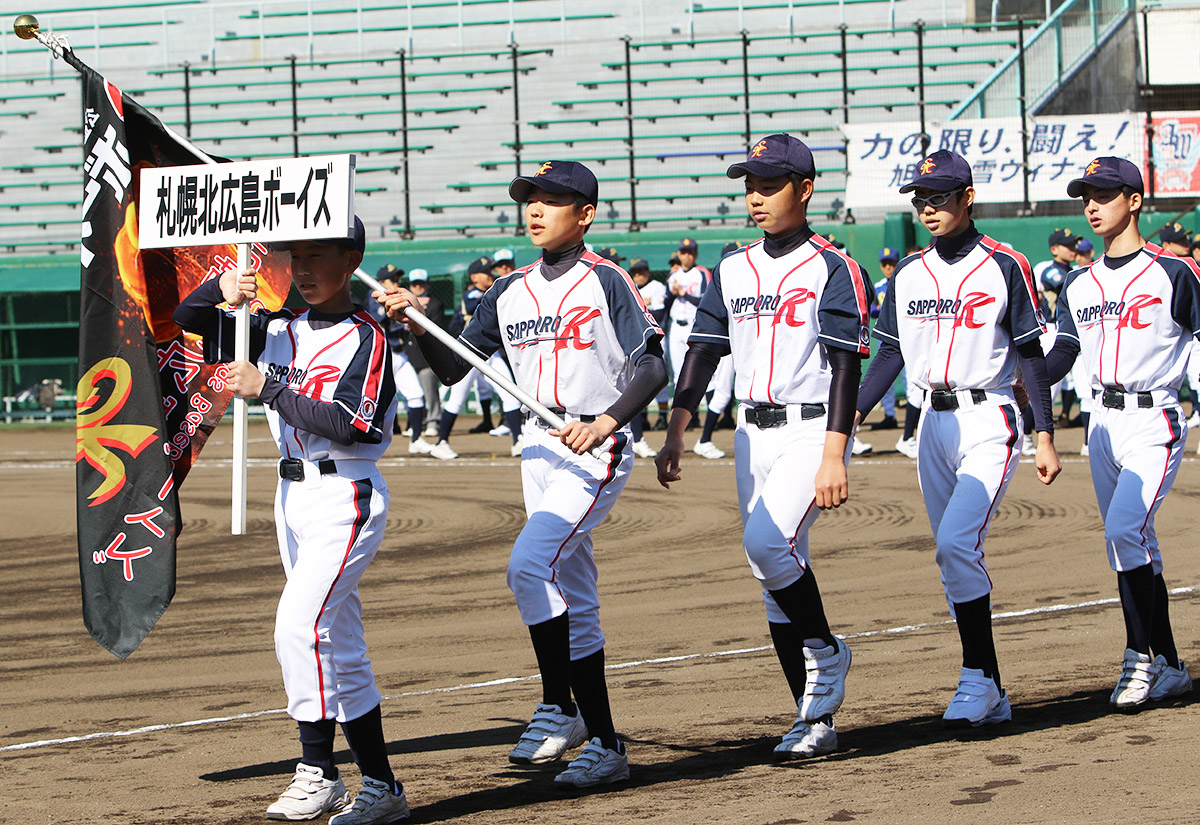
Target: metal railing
{"x": 1055, "y": 49}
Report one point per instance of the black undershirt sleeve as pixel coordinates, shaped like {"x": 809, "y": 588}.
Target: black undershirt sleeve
{"x": 447, "y": 365}
{"x": 698, "y": 367}
{"x": 843, "y": 390}
{"x": 1061, "y": 358}
{"x": 1037, "y": 384}
{"x": 649, "y": 376}
{"x": 882, "y": 373}
{"x": 312, "y": 415}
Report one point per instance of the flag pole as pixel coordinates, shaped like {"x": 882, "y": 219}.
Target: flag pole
{"x": 26, "y": 27}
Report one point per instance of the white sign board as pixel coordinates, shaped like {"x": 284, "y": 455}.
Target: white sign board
{"x": 882, "y": 157}
{"x": 282, "y": 199}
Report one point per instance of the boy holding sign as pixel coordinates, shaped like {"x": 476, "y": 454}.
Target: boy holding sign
{"x": 325, "y": 377}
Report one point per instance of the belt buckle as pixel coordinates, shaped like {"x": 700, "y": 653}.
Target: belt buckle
{"x": 943, "y": 400}
{"x": 291, "y": 469}
{"x": 766, "y": 418}
{"x": 1145, "y": 400}
{"x": 1113, "y": 399}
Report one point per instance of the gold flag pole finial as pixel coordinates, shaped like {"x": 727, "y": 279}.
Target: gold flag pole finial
{"x": 26, "y": 27}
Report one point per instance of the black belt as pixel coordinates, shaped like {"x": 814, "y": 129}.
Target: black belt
{"x": 942, "y": 400}
{"x": 766, "y": 416}
{"x": 1114, "y": 399}
{"x": 292, "y": 469}
{"x": 561, "y": 413}
{"x": 681, "y": 323}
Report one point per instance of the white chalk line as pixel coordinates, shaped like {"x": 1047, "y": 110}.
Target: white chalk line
{"x": 509, "y": 680}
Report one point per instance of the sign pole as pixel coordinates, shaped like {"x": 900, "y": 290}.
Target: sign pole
{"x": 241, "y": 352}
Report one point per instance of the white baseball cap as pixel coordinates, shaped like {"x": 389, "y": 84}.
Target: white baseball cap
{"x": 501, "y": 255}
{"x": 417, "y": 275}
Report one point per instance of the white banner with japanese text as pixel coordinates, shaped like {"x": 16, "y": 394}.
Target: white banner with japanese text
{"x": 260, "y": 201}
{"x": 882, "y": 157}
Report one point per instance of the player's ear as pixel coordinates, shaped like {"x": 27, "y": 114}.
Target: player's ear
{"x": 1135, "y": 202}
{"x": 968, "y": 197}
{"x": 805, "y": 191}
{"x": 354, "y": 259}
{"x": 587, "y": 214}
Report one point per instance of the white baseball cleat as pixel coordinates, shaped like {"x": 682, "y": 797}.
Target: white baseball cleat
{"x": 977, "y": 702}
{"x": 517, "y": 447}
{"x": 376, "y": 804}
{"x": 907, "y": 446}
{"x": 1028, "y": 447}
{"x": 1169, "y": 681}
{"x": 431, "y": 430}
{"x": 825, "y": 680}
{"x": 597, "y": 765}
{"x": 501, "y": 430}
{"x": 309, "y": 795}
{"x": 1084, "y": 451}
{"x": 1133, "y": 688}
{"x": 860, "y": 447}
{"x": 807, "y": 739}
{"x": 419, "y": 447}
{"x": 443, "y": 451}
{"x": 706, "y": 449}
{"x": 643, "y": 449}
{"x": 549, "y": 735}
{"x": 1194, "y": 420}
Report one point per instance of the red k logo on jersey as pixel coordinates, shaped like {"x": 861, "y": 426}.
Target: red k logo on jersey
{"x": 571, "y": 331}
{"x": 1130, "y": 317}
{"x": 317, "y": 377}
{"x": 789, "y": 305}
{"x": 965, "y": 317}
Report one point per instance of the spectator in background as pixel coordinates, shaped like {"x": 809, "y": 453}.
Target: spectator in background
{"x": 654, "y": 296}
{"x": 1085, "y": 252}
{"x": 888, "y": 258}
{"x": 435, "y": 310}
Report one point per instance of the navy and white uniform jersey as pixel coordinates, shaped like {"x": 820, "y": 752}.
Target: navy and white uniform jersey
{"x": 772, "y": 313}
{"x": 956, "y": 322}
{"x": 1050, "y": 275}
{"x": 1134, "y": 318}
{"x": 654, "y": 295}
{"x": 465, "y": 310}
{"x": 339, "y": 359}
{"x": 695, "y": 282}
{"x": 572, "y": 341}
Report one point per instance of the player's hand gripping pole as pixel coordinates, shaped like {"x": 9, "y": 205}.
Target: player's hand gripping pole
{"x": 241, "y": 352}
{"x": 480, "y": 364}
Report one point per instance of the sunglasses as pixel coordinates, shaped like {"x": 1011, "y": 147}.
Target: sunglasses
{"x": 936, "y": 201}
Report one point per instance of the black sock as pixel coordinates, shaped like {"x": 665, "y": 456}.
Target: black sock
{"x": 416, "y": 420}
{"x": 512, "y": 419}
{"x": 974, "y": 619}
{"x": 1068, "y": 401}
{"x": 1027, "y": 421}
{"x": 446, "y": 425}
{"x": 789, "y": 648}
{"x": 800, "y": 601}
{"x": 485, "y": 405}
{"x": 365, "y": 737}
{"x": 591, "y": 694}
{"x": 912, "y": 415}
{"x": 316, "y": 746}
{"x": 1087, "y": 422}
{"x": 552, "y": 646}
{"x": 1161, "y": 639}
{"x": 1136, "y": 588}
{"x": 710, "y": 423}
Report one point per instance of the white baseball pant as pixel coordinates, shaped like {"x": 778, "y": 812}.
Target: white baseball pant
{"x": 1135, "y": 455}
{"x": 461, "y": 391}
{"x": 721, "y": 385}
{"x": 551, "y": 569}
{"x": 965, "y": 460}
{"x": 329, "y": 528}
{"x": 677, "y": 335}
{"x": 776, "y": 481}
{"x": 407, "y": 382}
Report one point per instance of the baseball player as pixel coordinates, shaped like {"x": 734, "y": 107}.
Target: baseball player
{"x": 579, "y": 339}
{"x": 793, "y": 312}
{"x": 959, "y": 315}
{"x": 637, "y": 427}
{"x": 1130, "y": 318}
{"x": 720, "y": 393}
{"x": 1048, "y": 276}
{"x": 654, "y": 296}
{"x": 324, "y": 377}
{"x": 418, "y": 283}
{"x": 405, "y": 375}
{"x": 686, "y": 285}
{"x": 1175, "y": 239}
{"x": 888, "y": 258}
{"x": 1085, "y": 253}
{"x": 503, "y": 262}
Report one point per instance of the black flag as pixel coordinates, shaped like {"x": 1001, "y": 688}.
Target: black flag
{"x": 146, "y": 400}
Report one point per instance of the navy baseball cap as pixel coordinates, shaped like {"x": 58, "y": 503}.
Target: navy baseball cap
{"x": 610, "y": 253}
{"x": 389, "y": 272}
{"x": 943, "y": 171}
{"x": 674, "y": 259}
{"x": 1063, "y": 237}
{"x": 639, "y": 263}
{"x": 888, "y": 254}
{"x": 356, "y": 240}
{"x": 774, "y": 156}
{"x": 1107, "y": 173}
{"x": 729, "y": 248}
{"x": 688, "y": 245}
{"x": 1174, "y": 233}
{"x": 560, "y": 177}
{"x": 1196, "y": 241}
{"x": 480, "y": 265}
{"x": 1084, "y": 245}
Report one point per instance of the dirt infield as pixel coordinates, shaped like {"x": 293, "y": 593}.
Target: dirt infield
{"x": 695, "y": 687}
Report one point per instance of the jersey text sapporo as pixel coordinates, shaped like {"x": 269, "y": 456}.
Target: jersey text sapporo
{"x": 1125, "y": 313}
{"x": 782, "y": 308}
{"x": 962, "y": 310}
{"x": 564, "y": 330}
